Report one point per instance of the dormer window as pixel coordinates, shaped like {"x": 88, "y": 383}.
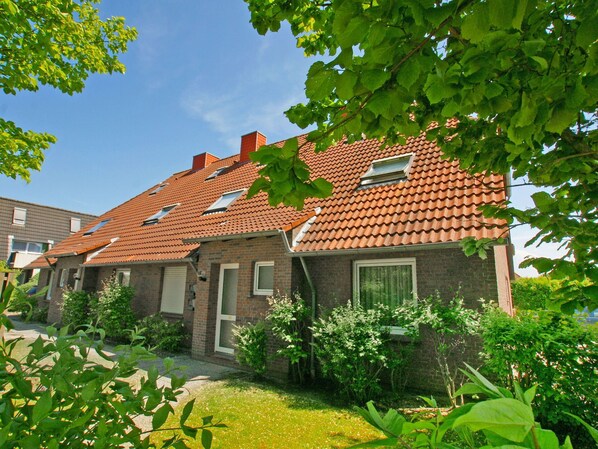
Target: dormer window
{"x": 390, "y": 169}
{"x": 100, "y": 225}
{"x": 216, "y": 173}
{"x": 222, "y": 203}
{"x": 157, "y": 189}
{"x": 158, "y": 215}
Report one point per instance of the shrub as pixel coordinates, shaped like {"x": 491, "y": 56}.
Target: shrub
{"x": 554, "y": 351}
{"x": 60, "y": 396}
{"x": 75, "y": 308}
{"x": 288, "y": 318}
{"x": 113, "y": 309}
{"x": 500, "y": 420}
{"x": 451, "y": 324}
{"x": 39, "y": 313}
{"x": 353, "y": 347}
{"x": 533, "y": 293}
{"x": 25, "y": 299}
{"x": 159, "y": 333}
{"x": 251, "y": 344}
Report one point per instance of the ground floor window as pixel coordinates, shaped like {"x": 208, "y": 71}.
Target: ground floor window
{"x": 389, "y": 282}
{"x": 50, "y": 285}
{"x": 123, "y": 277}
{"x": 263, "y": 280}
{"x": 173, "y": 290}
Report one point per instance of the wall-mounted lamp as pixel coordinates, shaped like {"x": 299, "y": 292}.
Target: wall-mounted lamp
{"x": 202, "y": 276}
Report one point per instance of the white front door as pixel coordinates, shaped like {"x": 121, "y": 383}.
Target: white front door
{"x": 227, "y": 307}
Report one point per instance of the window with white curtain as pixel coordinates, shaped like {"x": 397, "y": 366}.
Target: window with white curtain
{"x": 388, "y": 282}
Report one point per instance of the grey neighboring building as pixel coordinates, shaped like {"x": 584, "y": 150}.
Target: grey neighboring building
{"x": 27, "y": 230}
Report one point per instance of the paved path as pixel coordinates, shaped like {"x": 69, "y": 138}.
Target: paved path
{"x": 197, "y": 372}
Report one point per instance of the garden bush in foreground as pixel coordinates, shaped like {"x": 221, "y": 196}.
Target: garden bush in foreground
{"x": 251, "y": 346}
{"x": 76, "y": 308}
{"x": 354, "y": 348}
{"x": 58, "y": 395}
{"x": 159, "y": 333}
{"x": 113, "y": 309}
{"x": 500, "y": 420}
{"x": 557, "y": 353}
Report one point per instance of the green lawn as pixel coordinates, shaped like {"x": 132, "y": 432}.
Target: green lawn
{"x": 264, "y": 416}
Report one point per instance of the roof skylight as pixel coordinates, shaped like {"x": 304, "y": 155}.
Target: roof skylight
{"x": 157, "y": 189}
{"x": 96, "y": 227}
{"x": 222, "y": 203}
{"x": 389, "y": 169}
{"x": 158, "y": 215}
{"x": 216, "y": 172}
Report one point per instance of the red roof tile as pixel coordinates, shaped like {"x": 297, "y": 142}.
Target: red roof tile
{"x": 438, "y": 203}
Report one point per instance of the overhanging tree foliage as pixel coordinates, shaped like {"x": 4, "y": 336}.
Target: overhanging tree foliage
{"x": 56, "y": 43}
{"x": 520, "y": 77}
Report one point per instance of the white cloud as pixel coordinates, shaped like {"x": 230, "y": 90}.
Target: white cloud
{"x": 519, "y": 237}
{"x": 245, "y": 109}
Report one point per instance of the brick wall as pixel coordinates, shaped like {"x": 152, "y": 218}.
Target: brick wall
{"x": 55, "y": 304}
{"x": 250, "y": 308}
{"x": 146, "y": 279}
{"x": 444, "y": 270}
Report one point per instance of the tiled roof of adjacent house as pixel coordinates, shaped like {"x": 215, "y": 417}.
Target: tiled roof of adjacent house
{"x": 437, "y": 203}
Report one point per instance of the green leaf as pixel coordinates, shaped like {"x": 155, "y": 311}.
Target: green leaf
{"x": 374, "y": 79}
{"x": 501, "y": 13}
{"x": 543, "y": 201}
{"x": 346, "y": 84}
{"x": 187, "y": 409}
{"x": 323, "y": 188}
{"x": 543, "y": 63}
{"x": 409, "y": 73}
{"x": 476, "y": 23}
{"x": 519, "y": 14}
{"x": 42, "y": 407}
{"x": 505, "y": 417}
{"x": 547, "y": 439}
{"x": 591, "y": 430}
{"x": 587, "y": 33}
{"x": 320, "y": 81}
{"x": 160, "y": 416}
{"x": 384, "y": 442}
{"x": 206, "y": 438}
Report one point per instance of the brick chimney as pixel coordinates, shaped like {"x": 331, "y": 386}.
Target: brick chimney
{"x": 202, "y": 161}
{"x": 249, "y": 143}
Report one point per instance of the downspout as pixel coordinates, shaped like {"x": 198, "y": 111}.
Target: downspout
{"x": 312, "y": 364}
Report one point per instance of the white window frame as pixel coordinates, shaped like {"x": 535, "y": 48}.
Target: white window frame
{"x": 160, "y": 187}
{"x": 97, "y": 226}
{"x": 394, "y": 330}
{"x": 64, "y": 277}
{"x": 219, "y": 315}
{"x": 160, "y": 214}
{"x": 184, "y": 292}
{"x": 19, "y": 216}
{"x": 371, "y": 177}
{"x": 75, "y": 225}
{"x": 123, "y": 271}
{"x": 50, "y": 286}
{"x": 220, "y": 205}
{"x": 256, "y": 278}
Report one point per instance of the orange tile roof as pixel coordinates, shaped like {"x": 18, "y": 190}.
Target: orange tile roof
{"x": 438, "y": 203}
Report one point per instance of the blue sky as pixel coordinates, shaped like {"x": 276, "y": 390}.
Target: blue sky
{"x": 198, "y": 77}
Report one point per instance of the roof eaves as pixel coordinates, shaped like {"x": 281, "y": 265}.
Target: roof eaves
{"x": 244, "y": 235}
{"x": 384, "y": 249}
{"x": 136, "y": 262}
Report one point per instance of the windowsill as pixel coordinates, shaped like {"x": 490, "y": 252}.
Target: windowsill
{"x": 263, "y": 293}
